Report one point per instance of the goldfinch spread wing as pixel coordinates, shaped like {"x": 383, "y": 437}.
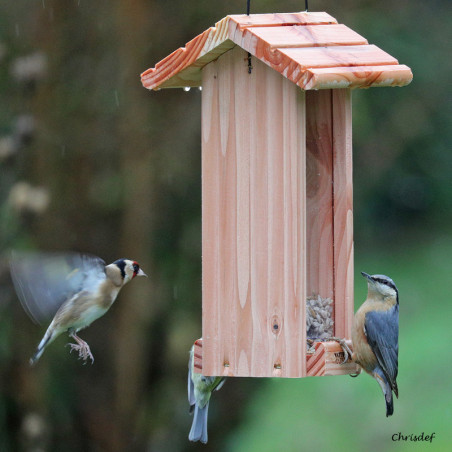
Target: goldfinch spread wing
{"x": 43, "y": 281}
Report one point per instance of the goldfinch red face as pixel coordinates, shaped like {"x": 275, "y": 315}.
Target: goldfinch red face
{"x": 137, "y": 270}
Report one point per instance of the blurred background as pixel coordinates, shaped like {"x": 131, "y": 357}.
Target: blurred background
{"x": 91, "y": 161}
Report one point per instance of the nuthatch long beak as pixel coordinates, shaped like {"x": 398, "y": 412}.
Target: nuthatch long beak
{"x": 367, "y": 276}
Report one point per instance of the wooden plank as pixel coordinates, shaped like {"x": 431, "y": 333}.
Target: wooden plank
{"x": 277, "y": 19}
{"x": 191, "y": 76}
{"x": 197, "y": 354}
{"x": 261, "y": 354}
{"x": 210, "y": 128}
{"x": 243, "y": 116}
{"x": 305, "y": 36}
{"x": 336, "y": 56}
{"x": 296, "y": 63}
{"x": 294, "y": 219}
{"x": 219, "y": 216}
{"x": 202, "y": 49}
{"x": 253, "y": 253}
{"x": 355, "y": 77}
{"x": 327, "y": 360}
{"x": 295, "y": 45}
{"x": 343, "y": 212}
{"x": 319, "y": 194}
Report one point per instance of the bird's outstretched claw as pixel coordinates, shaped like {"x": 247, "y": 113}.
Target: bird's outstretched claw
{"x": 345, "y": 348}
{"x": 84, "y": 352}
{"x": 82, "y": 347}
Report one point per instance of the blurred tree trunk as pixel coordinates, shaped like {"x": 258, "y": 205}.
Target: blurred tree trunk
{"x": 132, "y": 346}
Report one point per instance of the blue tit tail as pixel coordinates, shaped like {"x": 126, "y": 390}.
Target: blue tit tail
{"x": 198, "y": 431}
{"x": 387, "y": 390}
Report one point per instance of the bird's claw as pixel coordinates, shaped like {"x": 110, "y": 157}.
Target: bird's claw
{"x": 345, "y": 348}
{"x": 83, "y": 351}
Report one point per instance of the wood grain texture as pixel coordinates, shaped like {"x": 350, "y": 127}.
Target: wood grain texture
{"x": 253, "y": 167}
{"x": 296, "y": 45}
{"x": 355, "y": 77}
{"x": 305, "y": 36}
{"x": 327, "y": 360}
{"x": 197, "y": 356}
{"x": 329, "y": 195}
{"x": 302, "y": 18}
{"x": 319, "y": 194}
{"x": 343, "y": 212}
{"x": 337, "y": 56}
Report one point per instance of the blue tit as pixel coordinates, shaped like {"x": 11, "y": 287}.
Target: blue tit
{"x": 200, "y": 389}
{"x": 375, "y": 335}
{"x": 75, "y": 289}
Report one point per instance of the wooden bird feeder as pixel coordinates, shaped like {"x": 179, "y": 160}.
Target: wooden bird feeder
{"x": 277, "y": 213}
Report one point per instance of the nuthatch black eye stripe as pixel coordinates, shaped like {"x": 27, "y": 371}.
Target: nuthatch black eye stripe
{"x": 384, "y": 281}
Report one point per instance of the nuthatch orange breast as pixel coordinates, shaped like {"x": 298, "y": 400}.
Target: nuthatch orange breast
{"x": 75, "y": 289}
{"x": 375, "y": 335}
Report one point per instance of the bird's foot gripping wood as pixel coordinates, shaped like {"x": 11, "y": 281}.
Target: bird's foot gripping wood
{"x": 82, "y": 347}
{"x": 345, "y": 348}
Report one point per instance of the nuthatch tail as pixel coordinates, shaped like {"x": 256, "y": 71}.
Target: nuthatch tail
{"x": 75, "y": 289}
{"x": 375, "y": 335}
{"x": 200, "y": 389}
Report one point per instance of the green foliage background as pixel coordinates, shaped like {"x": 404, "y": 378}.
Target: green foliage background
{"x": 120, "y": 171}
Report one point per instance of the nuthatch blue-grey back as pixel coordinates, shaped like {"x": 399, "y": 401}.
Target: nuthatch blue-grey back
{"x": 75, "y": 289}
{"x": 200, "y": 389}
{"x": 375, "y": 335}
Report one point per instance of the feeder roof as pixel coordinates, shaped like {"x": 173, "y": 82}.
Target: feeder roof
{"x": 310, "y": 49}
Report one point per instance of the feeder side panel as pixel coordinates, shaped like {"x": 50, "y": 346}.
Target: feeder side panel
{"x": 319, "y": 194}
{"x": 343, "y": 212}
{"x": 210, "y": 129}
{"x": 253, "y": 221}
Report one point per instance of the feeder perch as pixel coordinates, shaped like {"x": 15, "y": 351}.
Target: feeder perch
{"x": 277, "y": 213}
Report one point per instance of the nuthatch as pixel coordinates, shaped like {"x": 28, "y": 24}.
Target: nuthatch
{"x": 375, "y": 335}
{"x": 200, "y": 389}
{"x": 74, "y": 288}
